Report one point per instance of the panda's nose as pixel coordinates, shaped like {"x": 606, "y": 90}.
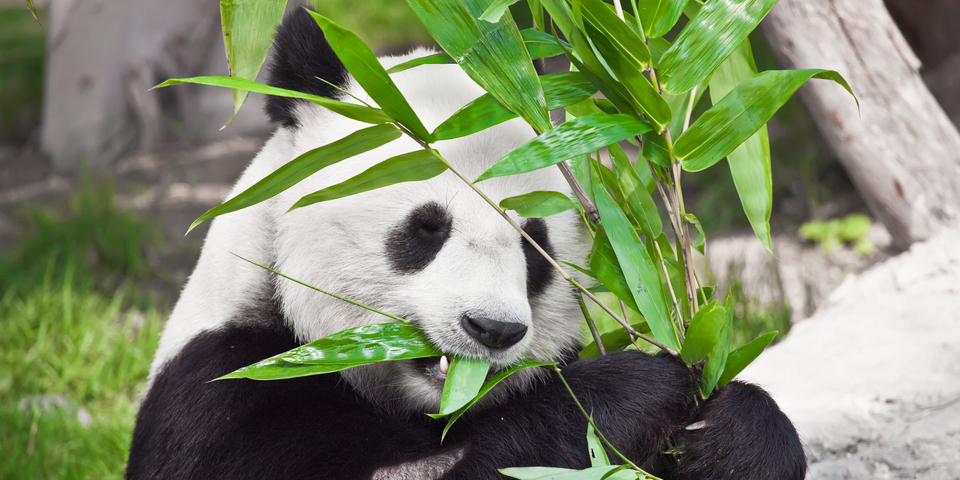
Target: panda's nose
{"x": 493, "y": 333}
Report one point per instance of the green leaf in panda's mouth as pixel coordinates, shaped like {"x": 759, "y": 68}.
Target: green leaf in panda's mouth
{"x": 463, "y": 382}
{"x": 486, "y": 387}
{"x": 350, "y": 348}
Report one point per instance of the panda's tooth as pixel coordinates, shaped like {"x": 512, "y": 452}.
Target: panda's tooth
{"x": 444, "y": 365}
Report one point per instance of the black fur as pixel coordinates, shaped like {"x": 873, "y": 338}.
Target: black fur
{"x": 539, "y": 270}
{"x": 319, "y": 428}
{"x": 417, "y": 240}
{"x": 728, "y": 447}
{"x": 302, "y": 56}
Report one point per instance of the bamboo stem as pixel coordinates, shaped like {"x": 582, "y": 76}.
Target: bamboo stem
{"x": 593, "y": 326}
{"x": 686, "y": 118}
{"x": 589, "y": 209}
{"x": 684, "y": 233}
{"x": 618, "y": 8}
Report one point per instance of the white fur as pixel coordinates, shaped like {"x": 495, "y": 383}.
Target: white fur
{"x": 339, "y": 245}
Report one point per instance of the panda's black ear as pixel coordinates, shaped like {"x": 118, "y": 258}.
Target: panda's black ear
{"x": 301, "y": 57}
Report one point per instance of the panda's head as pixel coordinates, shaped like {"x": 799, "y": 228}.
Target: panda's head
{"x": 433, "y": 252}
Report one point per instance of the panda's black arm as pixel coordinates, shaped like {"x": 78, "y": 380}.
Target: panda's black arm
{"x": 637, "y": 401}
{"x": 642, "y": 404}
{"x": 741, "y": 434}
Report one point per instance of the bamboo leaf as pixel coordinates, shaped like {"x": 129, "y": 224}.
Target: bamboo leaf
{"x": 33, "y": 11}
{"x": 476, "y": 116}
{"x": 581, "y": 166}
{"x": 538, "y": 204}
{"x": 576, "y": 137}
{"x": 740, "y": 114}
{"x": 435, "y": 59}
{"x": 496, "y": 10}
{"x": 699, "y": 242}
{"x": 703, "y": 333}
{"x": 645, "y": 175}
{"x": 717, "y": 359}
{"x": 598, "y": 456}
{"x": 635, "y": 192}
{"x": 541, "y": 44}
{"x": 710, "y": 37}
{"x": 659, "y": 16}
{"x": 586, "y": 60}
{"x": 349, "y": 348}
{"x": 360, "y": 113}
{"x": 303, "y": 166}
{"x": 492, "y": 54}
{"x": 487, "y": 386}
{"x": 561, "y": 90}
{"x": 743, "y": 356}
{"x": 248, "y": 27}
{"x": 706, "y": 292}
{"x": 641, "y": 93}
{"x": 658, "y": 46}
{"x": 638, "y": 268}
{"x": 656, "y": 149}
{"x": 692, "y": 8}
{"x": 590, "y": 106}
{"x": 606, "y": 267}
{"x": 410, "y": 167}
{"x": 580, "y": 269}
{"x": 615, "y": 340}
{"x": 609, "y": 472}
{"x": 566, "y": 88}
{"x": 680, "y": 104}
{"x": 626, "y": 40}
{"x": 609, "y": 180}
{"x": 533, "y": 473}
{"x": 366, "y": 69}
{"x": 750, "y": 162}
{"x": 463, "y": 382}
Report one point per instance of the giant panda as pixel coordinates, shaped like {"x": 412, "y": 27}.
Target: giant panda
{"x": 434, "y": 253}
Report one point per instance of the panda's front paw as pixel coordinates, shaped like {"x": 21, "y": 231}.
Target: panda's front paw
{"x": 740, "y": 434}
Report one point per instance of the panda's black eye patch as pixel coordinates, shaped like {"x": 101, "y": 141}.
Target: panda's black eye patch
{"x": 417, "y": 240}
{"x": 539, "y": 270}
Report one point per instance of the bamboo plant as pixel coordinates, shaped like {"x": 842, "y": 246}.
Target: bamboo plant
{"x": 649, "y": 89}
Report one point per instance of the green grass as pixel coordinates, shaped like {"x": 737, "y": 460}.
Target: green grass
{"x": 74, "y": 325}
{"x": 85, "y": 346}
{"x": 105, "y": 246}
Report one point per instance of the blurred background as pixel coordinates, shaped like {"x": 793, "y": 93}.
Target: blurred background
{"x": 100, "y": 178}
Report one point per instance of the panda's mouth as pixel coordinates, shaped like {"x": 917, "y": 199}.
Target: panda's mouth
{"x": 435, "y": 368}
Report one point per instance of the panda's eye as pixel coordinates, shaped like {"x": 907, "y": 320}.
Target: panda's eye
{"x": 539, "y": 270}
{"x": 416, "y": 241}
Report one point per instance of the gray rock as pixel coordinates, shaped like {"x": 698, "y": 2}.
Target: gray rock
{"x": 872, "y": 380}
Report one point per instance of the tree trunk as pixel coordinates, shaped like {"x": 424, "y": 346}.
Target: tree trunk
{"x": 901, "y": 150}
{"x": 103, "y": 57}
